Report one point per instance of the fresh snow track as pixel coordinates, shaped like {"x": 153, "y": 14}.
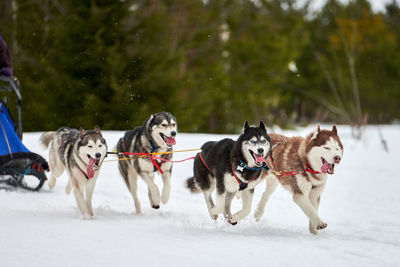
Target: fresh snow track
{"x": 361, "y": 205}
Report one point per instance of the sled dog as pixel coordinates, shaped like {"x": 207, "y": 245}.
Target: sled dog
{"x": 310, "y": 159}
{"x": 231, "y": 166}
{"x": 157, "y": 134}
{"x": 81, "y": 154}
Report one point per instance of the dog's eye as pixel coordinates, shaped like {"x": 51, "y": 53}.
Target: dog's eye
{"x": 263, "y": 141}
{"x": 173, "y": 125}
{"x": 252, "y": 142}
{"x": 90, "y": 146}
{"x": 164, "y": 125}
{"x": 327, "y": 148}
{"x": 100, "y": 145}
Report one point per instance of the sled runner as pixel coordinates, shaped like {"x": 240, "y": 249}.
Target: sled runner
{"x": 18, "y": 166}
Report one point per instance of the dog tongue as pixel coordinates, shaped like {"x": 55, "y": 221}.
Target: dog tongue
{"x": 89, "y": 169}
{"x": 170, "y": 141}
{"x": 259, "y": 158}
{"x": 325, "y": 167}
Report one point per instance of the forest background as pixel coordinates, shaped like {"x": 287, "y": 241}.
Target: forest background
{"x": 212, "y": 63}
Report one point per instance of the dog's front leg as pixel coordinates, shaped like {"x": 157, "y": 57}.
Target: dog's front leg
{"x": 88, "y": 194}
{"x": 166, "y": 177}
{"x": 247, "y": 198}
{"x": 80, "y": 200}
{"x": 56, "y": 167}
{"x": 132, "y": 186}
{"x": 209, "y": 202}
{"x": 271, "y": 184}
{"x": 314, "y": 196}
{"x": 154, "y": 193}
{"x": 219, "y": 204}
{"x": 228, "y": 201}
{"x": 304, "y": 203}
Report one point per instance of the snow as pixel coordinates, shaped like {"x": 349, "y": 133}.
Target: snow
{"x": 360, "y": 204}
{"x": 376, "y": 5}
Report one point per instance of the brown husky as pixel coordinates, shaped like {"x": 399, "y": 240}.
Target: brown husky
{"x": 304, "y": 164}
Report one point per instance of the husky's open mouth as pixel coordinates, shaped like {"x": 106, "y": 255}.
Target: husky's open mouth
{"x": 93, "y": 165}
{"x": 258, "y": 158}
{"x": 170, "y": 141}
{"x": 327, "y": 167}
{"x": 96, "y": 162}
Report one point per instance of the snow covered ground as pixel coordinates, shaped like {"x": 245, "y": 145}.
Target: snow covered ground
{"x": 361, "y": 205}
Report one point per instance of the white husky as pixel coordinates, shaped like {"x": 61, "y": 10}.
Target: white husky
{"x": 81, "y": 154}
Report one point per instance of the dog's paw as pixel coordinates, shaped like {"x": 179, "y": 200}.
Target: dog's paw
{"x": 231, "y": 221}
{"x": 138, "y": 211}
{"x": 227, "y": 215}
{"x": 258, "y": 215}
{"x": 312, "y": 229}
{"x": 322, "y": 225}
{"x": 234, "y": 219}
{"x": 52, "y": 183}
{"x": 138, "y": 208}
{"x": 214, "y": 211}
{"x": 214, "y": 217}
{"x": 87, "y": 217}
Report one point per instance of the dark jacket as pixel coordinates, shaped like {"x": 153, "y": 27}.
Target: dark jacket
{"x": 6, "y": 68}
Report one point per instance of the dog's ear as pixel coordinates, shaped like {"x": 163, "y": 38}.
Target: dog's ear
{"x": 262, "y": 126}
{"x": 82, "y": 132}
{"x": 97, "y": 130}
{"x": 246, "y": 126}
{"x": 334, "y": 130}
{"x": 148, "y": 121}
{"x": 316, "y": 132}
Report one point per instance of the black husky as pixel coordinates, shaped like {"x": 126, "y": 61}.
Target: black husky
{"x": 231, "y": 166}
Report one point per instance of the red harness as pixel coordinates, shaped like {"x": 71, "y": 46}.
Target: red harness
{"x": 290, "y": 173}
{"x": 157, "y": 166}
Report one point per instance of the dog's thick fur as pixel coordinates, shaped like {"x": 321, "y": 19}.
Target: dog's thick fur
{"x": 222, "y": 160}
{"x": 156, "y": 135}
{"x": 81, "y": 154}
{"x": 322, "y": 149}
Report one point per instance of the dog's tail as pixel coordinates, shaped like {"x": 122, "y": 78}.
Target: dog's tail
{"x": 192, "y": 185}
{"x": 46, "y": 138}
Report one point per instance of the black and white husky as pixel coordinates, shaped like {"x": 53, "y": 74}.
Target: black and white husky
{"x": 81, "y": 154}
{"x": 231, "y": 166}
{"x": 157, "y": 134}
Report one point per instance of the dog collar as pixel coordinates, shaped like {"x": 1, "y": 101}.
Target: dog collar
{"x": 243, "y": 165}
{"x": 153, "y": 147}
{"x": 309, "y": 169}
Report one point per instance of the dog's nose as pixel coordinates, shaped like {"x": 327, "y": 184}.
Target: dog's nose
{"x": 98, "y": 155}
{"x": 260, "y": 150}
{"x": 336, "y": 159}
{"x": 173, "y": 133}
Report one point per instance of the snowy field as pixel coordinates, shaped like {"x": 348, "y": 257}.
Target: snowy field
{"x": 361, "y": 205}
